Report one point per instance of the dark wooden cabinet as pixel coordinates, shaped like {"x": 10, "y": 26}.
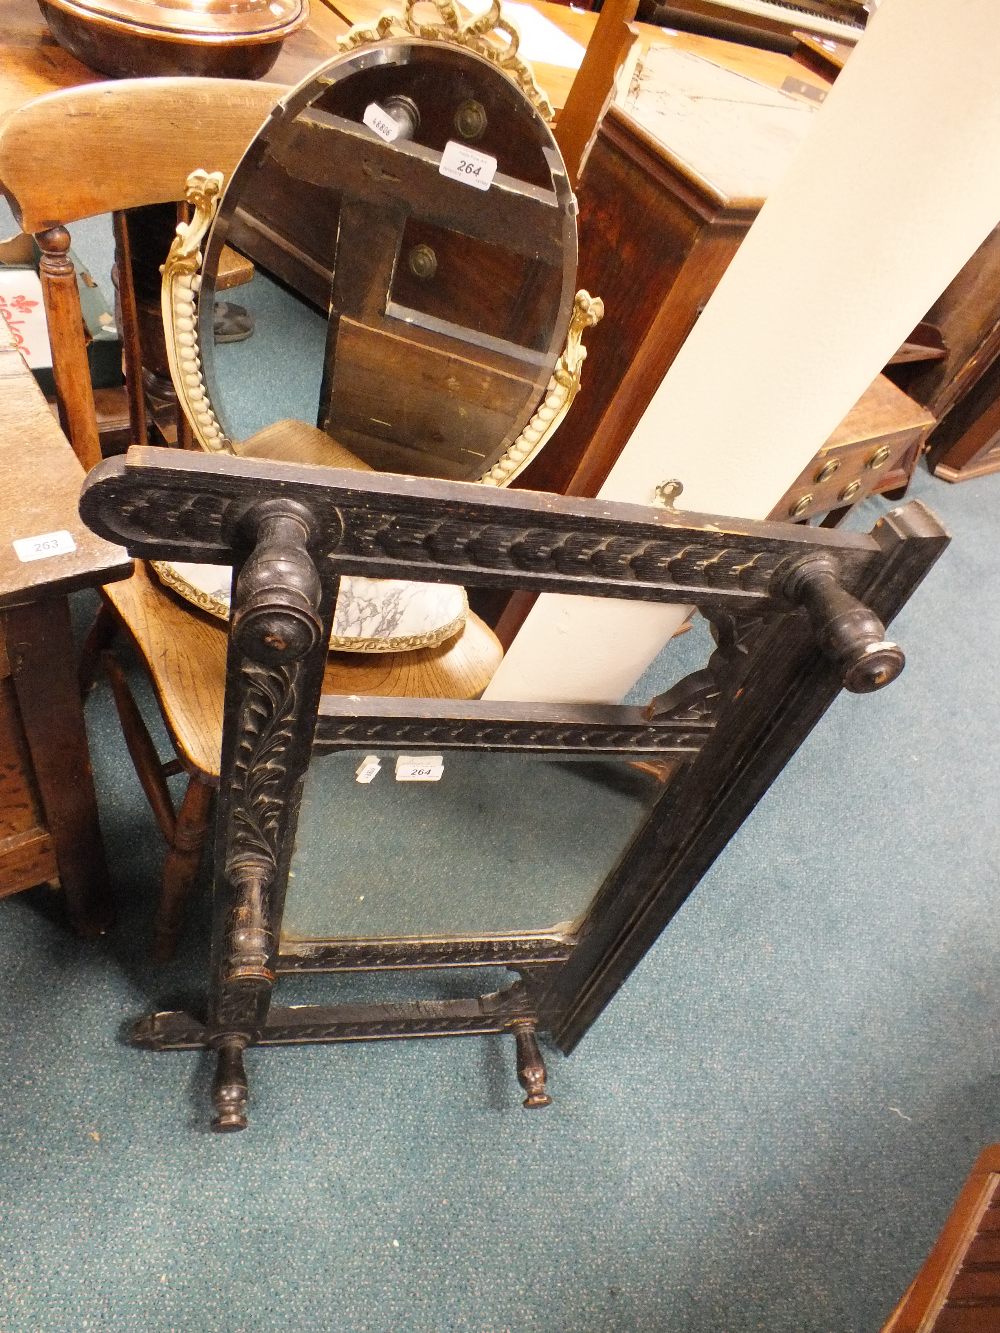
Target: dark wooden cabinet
{"x": 963, "y": 389}
{"x": 654, "y": 242}
{"x": 967, "y": 442}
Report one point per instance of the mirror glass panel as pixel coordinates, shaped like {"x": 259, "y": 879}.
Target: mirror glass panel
{"x": 409, "y": 299}
{"x": 500, "y": 844}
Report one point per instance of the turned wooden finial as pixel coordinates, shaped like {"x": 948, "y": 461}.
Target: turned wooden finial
{"x": 850, "y": 635}
{"x": 530, "y": 1065}
{"x": 230, "y": 1091}
{"x": 70, "y": 367}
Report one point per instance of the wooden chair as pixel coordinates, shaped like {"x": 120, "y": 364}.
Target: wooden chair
{"x": 105, "y": 148}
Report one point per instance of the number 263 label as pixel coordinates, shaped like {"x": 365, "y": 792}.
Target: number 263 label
{"x": 461, "y": 163}
{"x": 44, "y": 546}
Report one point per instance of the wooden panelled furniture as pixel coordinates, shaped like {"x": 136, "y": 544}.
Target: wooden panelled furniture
{"x": 962, "y": 389}
{"x": 48, "y": 816}
{"x": 967, "y": 442}
{"x": 958, "y": 1288}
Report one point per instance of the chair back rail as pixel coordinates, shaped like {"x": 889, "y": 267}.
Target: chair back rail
{"x": 102, "y": 148}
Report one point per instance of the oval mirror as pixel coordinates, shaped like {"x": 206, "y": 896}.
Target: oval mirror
{"x": 413, "y": 240}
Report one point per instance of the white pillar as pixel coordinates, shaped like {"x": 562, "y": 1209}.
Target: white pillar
{"x": 894, "y": 188}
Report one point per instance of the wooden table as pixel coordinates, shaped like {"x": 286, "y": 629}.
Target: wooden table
{"x": 33, "y": 63}
{"x": 48, "y": 812}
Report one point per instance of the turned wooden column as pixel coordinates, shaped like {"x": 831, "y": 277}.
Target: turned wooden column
{"x": 70, "y": 366}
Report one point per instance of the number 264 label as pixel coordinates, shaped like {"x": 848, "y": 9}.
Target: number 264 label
{"x": 465, "y": 164}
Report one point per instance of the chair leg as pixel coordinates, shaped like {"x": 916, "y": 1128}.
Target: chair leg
{"x": 181, "y": 867}
{"x": 142, "y": 751}
{"x": 98, "y": 639}
{"x": 184, "y": 831}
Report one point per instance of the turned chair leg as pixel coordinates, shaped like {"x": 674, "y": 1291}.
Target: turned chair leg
{"x": 98, "y": 638}
{"x": 230, "y": 1091}
{"x": 180, "y": 867}
{"x": 184, "y": 830}
{"x": 530, "y": 1065}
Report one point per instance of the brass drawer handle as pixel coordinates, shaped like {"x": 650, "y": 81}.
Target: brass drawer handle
{"x": 850, "y": 491}
{"x": 828, "y": 469}
{"x": 800, "y": 506}
{"x": 879, "y": 458}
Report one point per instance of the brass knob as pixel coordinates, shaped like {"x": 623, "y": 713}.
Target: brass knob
{"x": 422, "y": 261}
{"x": 850, "y": 491}
{"x": 801, "y": 505}
{"x": 667, "y": 492}
{"x": 879, "y": 458}
{"x": 828, "y": 469}
{"x": 470, "y": 120}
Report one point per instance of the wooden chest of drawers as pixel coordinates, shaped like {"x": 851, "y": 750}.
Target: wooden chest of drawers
{"x": 958, "y": 1288}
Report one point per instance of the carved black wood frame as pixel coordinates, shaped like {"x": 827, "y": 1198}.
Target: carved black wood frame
{"x": 798, "y": 614}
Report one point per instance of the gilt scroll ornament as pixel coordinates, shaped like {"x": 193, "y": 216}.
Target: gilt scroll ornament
{"x": 179, "y": 306}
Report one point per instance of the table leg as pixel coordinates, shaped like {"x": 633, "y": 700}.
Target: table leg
{"x": 42, "y": 658}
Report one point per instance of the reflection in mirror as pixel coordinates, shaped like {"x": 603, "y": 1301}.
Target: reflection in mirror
{"x": 288, "y": 332}
{"x": 410, "y": 299}
{"x": 500, "y": 844}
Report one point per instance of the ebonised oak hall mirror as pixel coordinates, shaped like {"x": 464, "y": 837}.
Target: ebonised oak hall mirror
{"x": 798, "y": 614}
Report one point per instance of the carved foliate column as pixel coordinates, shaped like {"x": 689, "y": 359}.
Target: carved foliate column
{"x": 277, "y": 651}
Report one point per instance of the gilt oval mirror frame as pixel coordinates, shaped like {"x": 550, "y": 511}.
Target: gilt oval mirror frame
{"x": 439, "y": 314}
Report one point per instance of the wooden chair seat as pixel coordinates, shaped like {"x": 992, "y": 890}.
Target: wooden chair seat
{"x": 292, "y": 441}
{"x": 185, "y": 653}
